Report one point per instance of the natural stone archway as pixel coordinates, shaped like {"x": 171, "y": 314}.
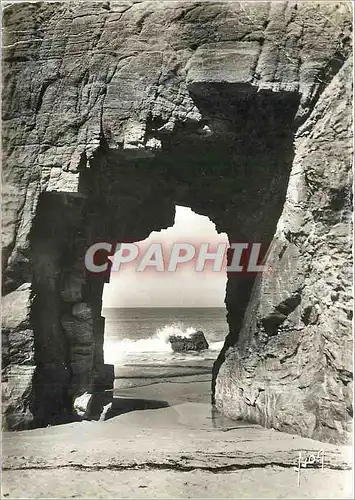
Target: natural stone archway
{"x": 139, "y": 107}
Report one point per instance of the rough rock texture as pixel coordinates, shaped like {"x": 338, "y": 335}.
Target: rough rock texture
{"x": 195, "y": 342}
{"x": 113, "y": 113}
{"x": 17, "y": 356}
{"x": 292, "y": 366}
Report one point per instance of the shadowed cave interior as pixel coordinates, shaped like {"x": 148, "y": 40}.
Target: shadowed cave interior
{"x": 234, "y": 168}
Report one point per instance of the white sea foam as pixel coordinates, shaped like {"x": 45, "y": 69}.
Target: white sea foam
{"x": 216, "y": 346}
{"x": 154, "y": 348}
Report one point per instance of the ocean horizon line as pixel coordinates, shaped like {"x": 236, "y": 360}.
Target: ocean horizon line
{"x": 164, "y": 307}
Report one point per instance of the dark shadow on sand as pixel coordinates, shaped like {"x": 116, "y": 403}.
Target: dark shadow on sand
{"x": 124, "y": 405}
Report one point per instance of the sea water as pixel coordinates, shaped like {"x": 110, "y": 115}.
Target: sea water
{"x": 136, "y": 340}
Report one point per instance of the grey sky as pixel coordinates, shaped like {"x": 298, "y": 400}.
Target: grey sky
{"x": 183, "y": 288}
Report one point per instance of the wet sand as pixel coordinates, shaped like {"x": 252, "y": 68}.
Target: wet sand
{"x": 173, "y": 390}
{"x": 179, "y": 449}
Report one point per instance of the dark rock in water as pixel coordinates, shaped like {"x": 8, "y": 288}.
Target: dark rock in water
{"x": 195, "y": 342}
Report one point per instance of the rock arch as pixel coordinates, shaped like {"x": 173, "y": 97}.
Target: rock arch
{"x": 133, "y": 109}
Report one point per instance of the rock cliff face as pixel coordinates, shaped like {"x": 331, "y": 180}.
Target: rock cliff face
{"x": 291, "y": 368}
{"x": 114, "y": 112}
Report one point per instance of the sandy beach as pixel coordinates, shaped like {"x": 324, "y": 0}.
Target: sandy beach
{"x": 173, "y": 446}
{"x": 177, "y": 205}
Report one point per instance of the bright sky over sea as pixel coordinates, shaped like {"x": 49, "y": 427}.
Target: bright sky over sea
{"x": 183, "y": 288}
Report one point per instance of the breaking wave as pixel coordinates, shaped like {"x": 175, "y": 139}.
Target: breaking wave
{"x": 154, "y": 348}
